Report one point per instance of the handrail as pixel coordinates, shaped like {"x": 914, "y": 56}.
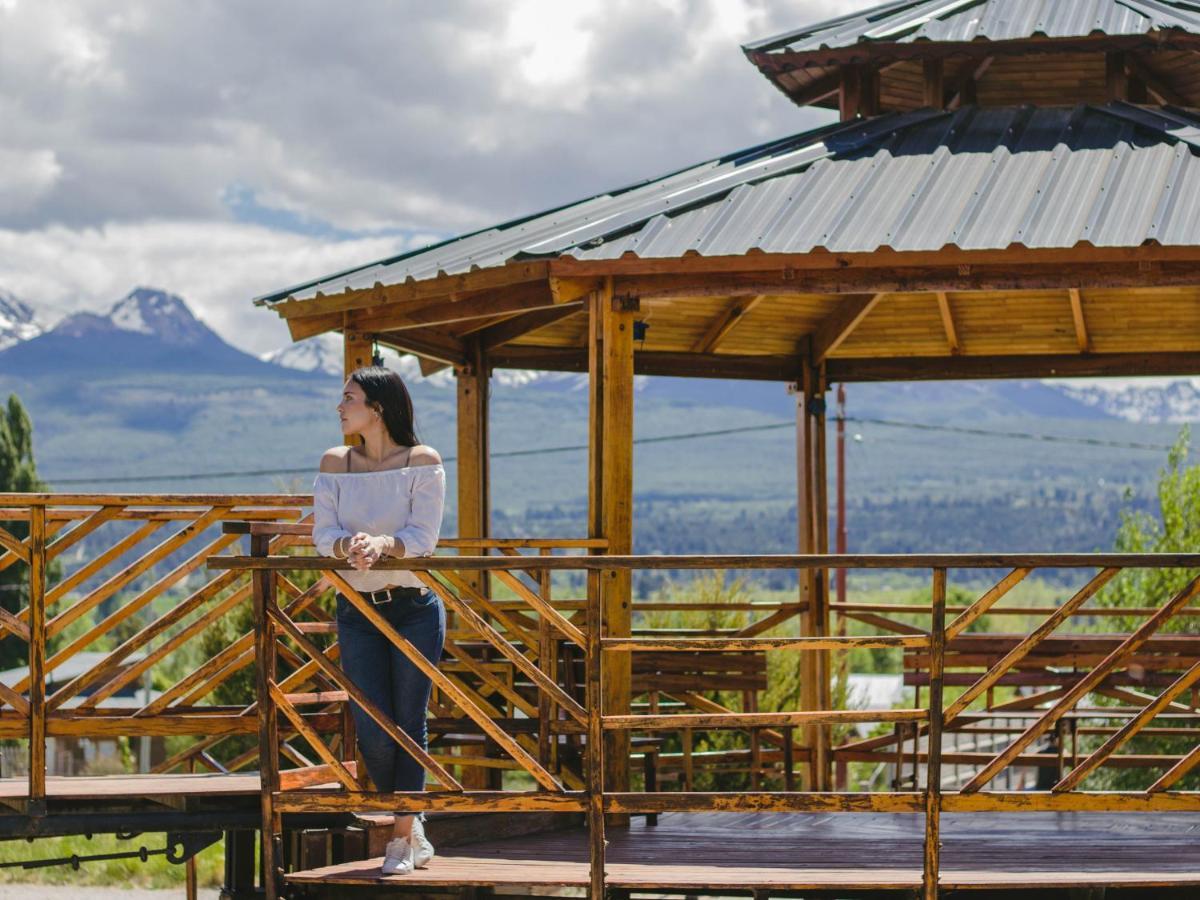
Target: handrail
{"x": 736, "y": 562}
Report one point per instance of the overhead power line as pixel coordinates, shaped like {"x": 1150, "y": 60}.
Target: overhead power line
{"x": 657, "y": 439}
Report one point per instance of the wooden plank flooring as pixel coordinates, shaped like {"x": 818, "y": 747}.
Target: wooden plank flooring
{"x": 807, "y": 851}
{"x": 132, "y": 786}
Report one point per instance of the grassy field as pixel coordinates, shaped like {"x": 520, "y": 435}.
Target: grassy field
{"x": 156, "y": 872}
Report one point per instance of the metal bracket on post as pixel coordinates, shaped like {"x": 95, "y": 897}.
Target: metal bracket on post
{"x": 183, "y": 845}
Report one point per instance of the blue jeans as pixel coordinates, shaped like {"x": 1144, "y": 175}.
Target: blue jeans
{"x": 391, "y": 682}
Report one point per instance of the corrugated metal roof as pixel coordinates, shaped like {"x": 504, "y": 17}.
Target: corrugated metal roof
{"x": 986, "y": 20}
{"x": 976, "y": 178}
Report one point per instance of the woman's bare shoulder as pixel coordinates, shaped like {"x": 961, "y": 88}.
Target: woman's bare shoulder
{"x": 334, "y": 459}
{"x": 422, "y": 455}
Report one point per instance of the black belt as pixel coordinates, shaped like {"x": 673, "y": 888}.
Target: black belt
{"x": 387, "y": 595}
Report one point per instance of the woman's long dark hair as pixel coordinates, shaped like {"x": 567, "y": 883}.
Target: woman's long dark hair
{"x": 387, "y": 394}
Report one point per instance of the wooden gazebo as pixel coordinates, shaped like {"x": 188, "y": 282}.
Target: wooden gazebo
{"x": 944, "y": 228}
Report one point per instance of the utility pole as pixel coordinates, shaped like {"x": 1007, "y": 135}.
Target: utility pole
{"x": 840, "y": 542}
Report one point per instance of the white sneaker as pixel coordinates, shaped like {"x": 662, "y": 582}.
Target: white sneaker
{"x": 398, "y": 857}
{"x": 422, "y": 849}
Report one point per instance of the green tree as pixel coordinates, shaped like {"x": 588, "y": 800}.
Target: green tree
{"x": 1174, "y": 528}
{"x": 18, "y": 474}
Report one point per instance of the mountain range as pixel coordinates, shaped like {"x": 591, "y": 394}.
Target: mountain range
{"x": 154, "y": 332}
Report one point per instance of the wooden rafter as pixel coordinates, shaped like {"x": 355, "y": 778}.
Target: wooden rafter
{"x": 523, "y": 298}
{"x": 838, "y": 325}
{"x": 819, "y": 89}
{"x": 443, "y": 286}
{"x": 1156, "y": 84}
{"x": 427, "y": 344}
{"x": 962, "y": 86}
{"x": 509, "y": 330}
{"x": 1081, "y": 332}
{"x": 943, "y": 301}
{"x": 725, "y": 323}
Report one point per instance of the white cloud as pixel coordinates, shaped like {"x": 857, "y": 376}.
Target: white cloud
{"x": 26, "y": 176}
{"x": 132, "y": 130}
{"x": 217, "y": 268}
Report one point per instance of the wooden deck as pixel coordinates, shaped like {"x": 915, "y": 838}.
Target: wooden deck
{"x": 124, "y": 787}
{"x": 814, "y": 851}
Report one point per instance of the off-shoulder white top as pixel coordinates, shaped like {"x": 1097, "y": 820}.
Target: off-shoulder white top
{"x": 405, "y": 503}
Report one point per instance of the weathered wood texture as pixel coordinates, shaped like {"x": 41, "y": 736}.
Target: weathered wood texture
{"x": 816, "y": 851}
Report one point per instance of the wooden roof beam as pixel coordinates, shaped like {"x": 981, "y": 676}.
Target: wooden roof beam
{"x": 498, "y": 335}
{"x": 725, "y": 323}
{"x": 428, "y": 345}
{"x": 654, "y": 362}
{"x": 839, "y": 324}
{"x": 1081, "y": 332}
{"x": 1156, "y": 84}
{"x": 523, "y": 298}
{"x": 1020, "y": 274}
{"x": 1063, "y": 365}
{"x": 943, "y": 301}
{"x": 821, "y": 89}
{"x": 568, "y": 290}
{"x": 426, "y": 289}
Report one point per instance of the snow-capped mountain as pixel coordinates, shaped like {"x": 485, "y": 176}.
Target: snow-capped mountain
{"x": 17, "y": 320}
{"x": 147, "y": 331}
{"x": 1147, "y": 401}
{"x": 158, "y": 313}
{"x": 323, "y": 353}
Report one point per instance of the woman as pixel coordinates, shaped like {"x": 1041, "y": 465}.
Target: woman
{"x": 384, "y": 498}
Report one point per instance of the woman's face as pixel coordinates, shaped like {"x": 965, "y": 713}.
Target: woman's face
{"x": 356, "y": 416}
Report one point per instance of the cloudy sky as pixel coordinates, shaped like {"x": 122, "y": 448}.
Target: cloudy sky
{"x": 221, "y": 149}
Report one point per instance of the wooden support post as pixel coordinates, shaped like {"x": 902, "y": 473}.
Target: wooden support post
{"x": 474, "y": 508}
{"x": 935, "y": 95}
{"x": 357, "y": 353}
{"x": 611, "y": 501}
{"x": 1115, "y": 78}
{"x": 858, "y": 92}
{"x": 933, "y": 769}
{"x": 37, "y": 660}
{"x": 812, "y": 518}
{"x": 263, "y": 593}
{"x": 593, "y": 668}
{"x": 850, "y": 92}
{"x": 548, "y": 662}
{"x": 474, "y": 484}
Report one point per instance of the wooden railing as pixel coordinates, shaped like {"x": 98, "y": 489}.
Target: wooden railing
{"x": 519, "y": 691}
{"x": 116, "y": 599}
{"x": 516, "y": 630}
{"x": 110, "y": 582}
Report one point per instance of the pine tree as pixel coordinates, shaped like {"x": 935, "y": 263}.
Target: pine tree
{"x": 18, "y": 473}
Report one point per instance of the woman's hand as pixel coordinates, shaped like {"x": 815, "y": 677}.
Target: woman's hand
{"x": 365, "y": 550}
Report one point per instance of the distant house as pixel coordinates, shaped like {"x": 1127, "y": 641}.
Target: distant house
{"x": 82, "y": 756}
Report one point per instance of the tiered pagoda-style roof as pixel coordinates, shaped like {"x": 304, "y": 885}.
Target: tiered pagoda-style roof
{"x": 992, "y": 52}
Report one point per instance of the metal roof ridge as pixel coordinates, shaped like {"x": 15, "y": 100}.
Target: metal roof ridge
{"x": 723, "y": 182}
{"x": 899, "y": 21}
